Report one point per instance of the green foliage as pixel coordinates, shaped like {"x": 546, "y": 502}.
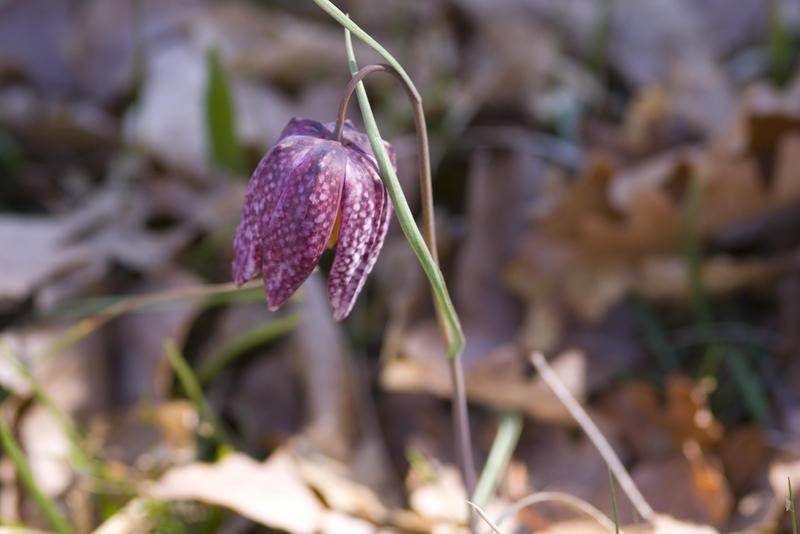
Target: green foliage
{"x": 243, "y": 344}
{"x": 226, "y": 153}
{"x": 782, "y": 48}
{"x": 745, "y": 379}
{"x": 48, "y": 508}
{"x": 791, "y": 507}
{"x": 613, "y": 499}
{"x": 194, "y": 391}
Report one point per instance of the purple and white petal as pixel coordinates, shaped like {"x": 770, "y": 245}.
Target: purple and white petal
{"x": 352, "y": 137}
{"x": 306, "y": 128}
{"x": 262, "y": 194}
{"x": 364, "y": 202}
{"x": 302, "y": 221}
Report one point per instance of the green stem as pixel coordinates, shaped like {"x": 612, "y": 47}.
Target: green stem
{"x": 45, "y": 505}
{"x": 347, "y": 23}
{"x": 508, "y": 431}
{"x": 791, "y": 506}
{"x": 451, "y": 326}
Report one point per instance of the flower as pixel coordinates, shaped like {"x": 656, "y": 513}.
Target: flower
{"x": 309, "y": 192}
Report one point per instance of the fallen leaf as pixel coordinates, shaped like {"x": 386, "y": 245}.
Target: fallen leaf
{"x": 271, "y": 492}
{"x": 684, "y": 489}
{"x": 148, "y": 438}
{"x": 441, "y": 499}
{"x": 665, "y": 524}
{"x": 498, "y": 379}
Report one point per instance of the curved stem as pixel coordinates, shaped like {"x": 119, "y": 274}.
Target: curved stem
{"x": 346, "y": 22}
{"x": 424, "y": 248}
{"x": 426, "y": 188}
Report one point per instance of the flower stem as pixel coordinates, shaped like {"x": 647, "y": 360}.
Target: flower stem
{"x": 426, "y": 188}
{"x": 424, "y": 248}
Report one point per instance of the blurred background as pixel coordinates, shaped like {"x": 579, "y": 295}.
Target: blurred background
{"x": 617, "y": 185}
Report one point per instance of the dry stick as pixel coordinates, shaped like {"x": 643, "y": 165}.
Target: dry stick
{"x": 485, "y": 517}
{"x": 563, "y": 498}
{"x": 588, "y": 426}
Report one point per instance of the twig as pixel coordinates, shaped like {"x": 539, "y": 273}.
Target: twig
{"x": 485, "y": 517}
{"x": 594, "y": 434}
{"x": 563, "y": 498}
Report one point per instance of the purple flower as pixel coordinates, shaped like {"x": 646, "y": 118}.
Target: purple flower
{"x": 310, "y": 192}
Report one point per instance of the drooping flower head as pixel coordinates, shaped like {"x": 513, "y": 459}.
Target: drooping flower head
{"x": 308, "y": 192}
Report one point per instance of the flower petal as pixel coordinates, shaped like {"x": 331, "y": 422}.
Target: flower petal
{"x": 365, "y": 215}
{"x": 302, "y": 221}
{"x": 263, "y": 192}
{"x": 306, "y": 127}
{"x": 352, "y": 137}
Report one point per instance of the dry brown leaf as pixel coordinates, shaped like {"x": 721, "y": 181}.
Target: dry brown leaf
{"x": 271, "y": 492}
{"x": 637, "y": 412}
{"x": 655, "y": 429}
{"x": 331, "y": 481}
{"x": 688, "y": 414}
{"x": 593, "y": 289}
{"x": 667, "y": 278}
{"x": 650, "y": 226}
{"x": 498, "y": 379}
{"x": 732, "y": 191}
{"x": 786, "y": 178}
{"x": 588, "y": 195}
{"x": 687, "y": 490}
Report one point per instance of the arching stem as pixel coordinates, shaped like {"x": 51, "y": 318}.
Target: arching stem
{"x": 425, "y": 248}
{"x": 425, "y": 182}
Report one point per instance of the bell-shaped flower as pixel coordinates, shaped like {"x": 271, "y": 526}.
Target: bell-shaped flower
{"x": 310, "y": 192}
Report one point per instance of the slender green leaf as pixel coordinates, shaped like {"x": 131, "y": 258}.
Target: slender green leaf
{"x": 48, "y": 508}
{"x": 221, "y": 118}
{"x": 750, "y": 387}
{"x": 244, "y": 343}
{"x": 508, "y": 431}
{"x": 195, "y": 393}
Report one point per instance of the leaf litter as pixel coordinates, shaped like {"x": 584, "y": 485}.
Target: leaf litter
{"x": 568, "y": 140}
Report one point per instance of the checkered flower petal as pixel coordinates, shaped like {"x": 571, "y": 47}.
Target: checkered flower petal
{"x": 296, "y": 194}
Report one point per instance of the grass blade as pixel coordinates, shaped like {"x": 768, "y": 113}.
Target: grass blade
{"x": 45, "y": 505}
{"x": 505, "y": 442}
{"x": 193, "y": 390}
{"x": 613, "y": 500}
{"x": 226, "y": 153}
{"x": 243, "y": 343}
